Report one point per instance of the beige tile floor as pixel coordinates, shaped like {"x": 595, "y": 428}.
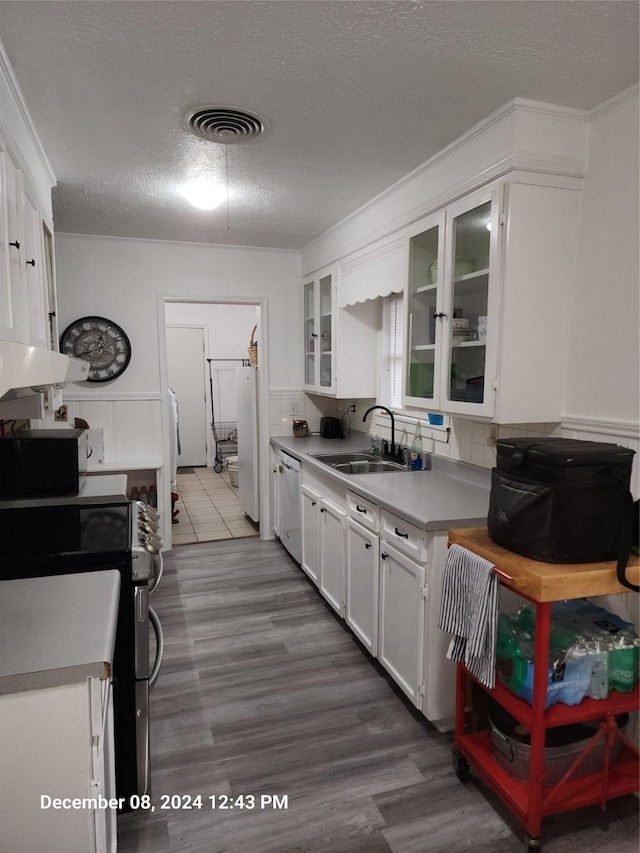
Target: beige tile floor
{"x": 209, "y": 508}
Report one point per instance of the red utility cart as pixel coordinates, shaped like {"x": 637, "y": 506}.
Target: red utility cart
{"x": 542, "y": 584}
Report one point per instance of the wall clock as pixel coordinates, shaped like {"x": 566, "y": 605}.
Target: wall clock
{"x": 100, "y": 342}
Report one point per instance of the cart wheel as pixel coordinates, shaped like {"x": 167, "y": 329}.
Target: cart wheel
{"x": 532, "y": 845}
{"x": 217, "y": 467}
{"x": 460, "y": 765}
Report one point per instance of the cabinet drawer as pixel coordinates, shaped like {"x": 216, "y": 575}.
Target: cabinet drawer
{"x": 408, "y": 538}
{"x": 367, "y": 513}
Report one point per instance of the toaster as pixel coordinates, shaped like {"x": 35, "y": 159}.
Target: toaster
{"x": 331, "y": 428}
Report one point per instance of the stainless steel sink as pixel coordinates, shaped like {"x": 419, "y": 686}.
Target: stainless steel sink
{"x": 358, "y": 463}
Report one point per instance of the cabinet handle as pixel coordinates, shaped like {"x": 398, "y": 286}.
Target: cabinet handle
{"x": 15, "y": 243}
{"x": 367, "y": 545}
{"x": 384, "y": 556}
{"x": 361, "y": 509}
{"x": 438, "y": 315}
{"x": 402, "y": 535}
{"x": 32, "y": 262}
{"x": 313, "y": 503}
{"x": 321, "y": 509}
{"x": 313, "y": 335}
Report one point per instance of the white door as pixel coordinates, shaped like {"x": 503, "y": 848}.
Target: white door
{"x": 400, "y": 641}
{"x": 332, "y": 555}
{"x": 361, "y": 584}
{"x": 310, "y": 508}
{"x": 186, "y": 373}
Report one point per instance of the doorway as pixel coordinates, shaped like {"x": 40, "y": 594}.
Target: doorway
{"x": 185, "y": 369}
{"x": 205, "y": 343}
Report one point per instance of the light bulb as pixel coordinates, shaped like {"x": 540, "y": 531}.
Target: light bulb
{"x": 204, "y": 195}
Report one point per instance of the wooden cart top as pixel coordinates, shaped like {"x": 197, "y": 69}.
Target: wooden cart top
{"x": 545, "y": 581}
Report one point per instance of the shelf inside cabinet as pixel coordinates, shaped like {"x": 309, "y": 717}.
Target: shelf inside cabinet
{"x": 471, "y": 276}
{"x": 426, "y": 288}
{"x": 467, "y": 344}
{"x": 423, "y": 347}
{"x": 573, "y": 794}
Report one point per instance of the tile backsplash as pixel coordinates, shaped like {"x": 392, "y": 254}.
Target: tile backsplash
{"x": 469, "y": 441}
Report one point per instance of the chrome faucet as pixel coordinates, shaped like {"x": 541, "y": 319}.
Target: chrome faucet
{"x": 392, "y": 449}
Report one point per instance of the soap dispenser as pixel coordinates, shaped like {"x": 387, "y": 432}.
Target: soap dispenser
{"x": 416, "y": 449}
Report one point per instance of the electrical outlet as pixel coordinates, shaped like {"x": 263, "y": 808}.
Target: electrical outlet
{"x": 352, "y": 408}
{"x": 61, "y": 414}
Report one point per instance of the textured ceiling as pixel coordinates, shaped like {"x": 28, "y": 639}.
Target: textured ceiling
{"x": 356, "y": 94}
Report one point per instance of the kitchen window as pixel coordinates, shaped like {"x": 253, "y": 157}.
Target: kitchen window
{"x": 393, "y": 345}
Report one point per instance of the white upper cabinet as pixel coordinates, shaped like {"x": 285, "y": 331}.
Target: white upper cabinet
{"x": 26, "y": 279}
{"x": 340, "y": 344}
{"x": 13, "y": 302}
{"x": 319, "y": 310}
{"x": 487, "y": 302}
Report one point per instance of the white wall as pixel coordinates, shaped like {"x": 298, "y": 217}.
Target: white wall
{"x": 121, "y": 279}
{"x": 227, "y": 327}
{"x": 603, "y": 380}
{"x": 227, "y": 332}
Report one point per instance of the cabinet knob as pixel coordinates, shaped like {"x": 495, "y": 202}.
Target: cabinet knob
{"x": 15, "y": 243}
{"x": 313, "y": 503}
{"x": 32, "y": 262}
{"x": 321, "y": 509}
{"x": 367, "y": 545}
{"x": 384, "y": 556}
{"x": 438, "y": 315}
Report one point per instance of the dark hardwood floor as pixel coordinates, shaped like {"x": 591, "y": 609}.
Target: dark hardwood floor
{"x": 264, "y": 693}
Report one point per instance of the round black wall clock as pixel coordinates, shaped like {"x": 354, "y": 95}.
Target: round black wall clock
{"x": 100, "y": 342}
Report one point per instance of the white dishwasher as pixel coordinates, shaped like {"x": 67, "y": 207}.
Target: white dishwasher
{"x": 289, "y": 503}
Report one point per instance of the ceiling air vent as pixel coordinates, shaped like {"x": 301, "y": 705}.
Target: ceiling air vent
{"x": 225, "y": 125}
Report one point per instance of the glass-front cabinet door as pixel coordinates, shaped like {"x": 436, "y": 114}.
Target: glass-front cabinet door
{"x": 326, "y": 337}
{"x": 319, "y": 334}
{"x": 471, "y": 257}
{"x": 423, "y": 312}
{"x": 310, "y": 334}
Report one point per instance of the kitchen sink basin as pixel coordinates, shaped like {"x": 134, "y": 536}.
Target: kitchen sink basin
{"x": 358, "y": 463}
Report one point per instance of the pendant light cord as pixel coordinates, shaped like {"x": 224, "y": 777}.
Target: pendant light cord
{"x": 226, "y": 166}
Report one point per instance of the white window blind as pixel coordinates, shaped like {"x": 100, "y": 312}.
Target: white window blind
{"x": 393, "y": 334}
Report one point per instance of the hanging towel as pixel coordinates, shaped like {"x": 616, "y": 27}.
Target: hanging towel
{"x": 469, "y": 611}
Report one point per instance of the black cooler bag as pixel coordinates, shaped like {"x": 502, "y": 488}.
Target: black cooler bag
{"x": 560, "y": 500}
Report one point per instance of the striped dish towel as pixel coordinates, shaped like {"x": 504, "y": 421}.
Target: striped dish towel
{"x": 469, "y": 611}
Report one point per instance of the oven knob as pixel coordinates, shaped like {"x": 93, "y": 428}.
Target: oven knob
{"x": 151, "y": 543}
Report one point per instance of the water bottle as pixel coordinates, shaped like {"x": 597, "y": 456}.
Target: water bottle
{"x": 416, "y": 450}
{"x": 599, "y": 682}
{"x": 623, "y": 663}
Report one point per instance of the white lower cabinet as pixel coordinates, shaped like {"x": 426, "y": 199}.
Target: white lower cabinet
{"x": 310, "y": 510}
{"x": 400, "y": 644}
{"x": 57, "y": 745}
{"x": 383, "y": 575}
{"x": 332, "y": 554}
{"x": 362, "y": 584}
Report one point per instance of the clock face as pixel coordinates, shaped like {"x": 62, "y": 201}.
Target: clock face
{"x": 100, "y": 342}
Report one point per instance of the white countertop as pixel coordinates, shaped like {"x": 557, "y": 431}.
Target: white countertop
{"x": 452, "y": 494}
{"x": 57, "y": 630}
